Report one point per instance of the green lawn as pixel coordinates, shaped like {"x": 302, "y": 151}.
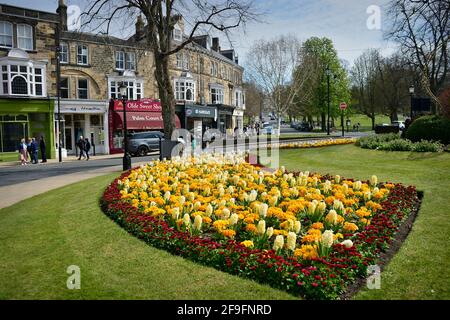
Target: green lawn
{"x": 420, "y": 270}
{"x": 41, "y": 237}
{"x": 366, "y": 122}
{"x": 9, "y": 156}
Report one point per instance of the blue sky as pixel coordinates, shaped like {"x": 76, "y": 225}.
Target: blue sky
{"x": 344, "y": 21}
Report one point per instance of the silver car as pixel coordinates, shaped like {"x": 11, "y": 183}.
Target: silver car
{"x": 141, "y": 143}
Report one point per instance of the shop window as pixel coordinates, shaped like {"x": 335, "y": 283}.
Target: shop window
{"x": 25, "y": 37}
{"x": 82, "y": 89}
{"x": 6, "y": 34}
{"x": 64, "y": 88}
{"x": 64, "y": 53}
{"x": 82, "y": 55}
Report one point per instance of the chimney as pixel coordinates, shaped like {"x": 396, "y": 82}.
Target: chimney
{"x": 62, "y": 12}
{"x": 139, "y": 28}
{"x": 215, "y": 44}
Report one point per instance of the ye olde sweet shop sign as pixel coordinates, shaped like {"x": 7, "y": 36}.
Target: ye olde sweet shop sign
{"x": 142, "y": 105}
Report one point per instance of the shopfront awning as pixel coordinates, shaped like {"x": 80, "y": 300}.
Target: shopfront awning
{"x": 142, "y": 121}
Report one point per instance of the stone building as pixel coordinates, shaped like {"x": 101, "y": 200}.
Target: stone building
{"x": 207, "y": 81}
{"x": 27, "y": 66}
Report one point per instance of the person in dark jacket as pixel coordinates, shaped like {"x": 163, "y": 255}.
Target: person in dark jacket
{"x": 42, "y": 148}
{"x": 81, "y": 145}
{"x": 35, "y": 150}
{"x": 30, "y": 150}
{"x": 87, "y": 147}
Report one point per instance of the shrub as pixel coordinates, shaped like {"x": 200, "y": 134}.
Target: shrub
{"x": 427, "y": 146}
{"x": 396, "y": 145}
{"x": 433, "y": 128}
{"x": 392, "y": 142}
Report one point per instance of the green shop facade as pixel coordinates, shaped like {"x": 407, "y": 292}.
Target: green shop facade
{"x": 26, "y": 118}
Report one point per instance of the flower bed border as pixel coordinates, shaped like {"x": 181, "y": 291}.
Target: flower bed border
{"x": 338, "y": 276}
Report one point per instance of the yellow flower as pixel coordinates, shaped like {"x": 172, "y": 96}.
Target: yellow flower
{"x": 228, "y": 233}
{"x": 331, "y": 217}
{"x": 247, "y": 243}
{"x": 306, "y": 252}
{"x": 317, "y": 225}
{"x": 198, "y": 223}
{"x": 291, "y": 241}
{"x": 251, "y": 228}
{"x": 349, "y": 226}
{"x": 261, "y": 227}
{"x": 278, "y": 243}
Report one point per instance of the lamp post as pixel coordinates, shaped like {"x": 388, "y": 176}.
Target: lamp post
{"x": 58, "y": 93}
{"x": 126, "y": 156}
{"x": 328, "y": 74}
{"x": 411, "y": 93}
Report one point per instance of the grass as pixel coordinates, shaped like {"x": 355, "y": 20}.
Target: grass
{"x": 366, "y": 122}
{"x": 9, "y": 156}
{"x": 420, "y": 270}
{"x": 42, "y": 236}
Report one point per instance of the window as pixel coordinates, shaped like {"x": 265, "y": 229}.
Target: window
{"x": 214, "y": 68}
{"x": 186, "y": 61}
{"x": 6, "y": 34}
{"x": 120, "y": 60}
{"x": 82, "y": 55}
{"x": 64, "y": 88}
{"x": 131, "y": 61}
{"x": 185, "y": 89}
{"x": 177, "y": 33}
{"x": 19, "y": 85}
{"x": 64, "y": 54}
{"x": 38, "y": 82}
{"x": 82, "y": 89}
{"x": 216, "y": 95}
{"x": 238, "y": 98}
{"x": 24, "y": 80}
{"x": 24, "y": 37}
{"x": 135, "y": 88}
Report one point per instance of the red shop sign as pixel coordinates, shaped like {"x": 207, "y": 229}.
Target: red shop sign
{"x": 143, "y": 105}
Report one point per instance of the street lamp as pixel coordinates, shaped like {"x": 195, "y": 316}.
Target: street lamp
{"x": 58, "y": 93}
{"x": 126, "y": 156}
{"x": 328, "y": 74}
{"x": 411, "y": 93}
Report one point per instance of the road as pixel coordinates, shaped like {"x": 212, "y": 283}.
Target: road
{"x": 10, "y": 175}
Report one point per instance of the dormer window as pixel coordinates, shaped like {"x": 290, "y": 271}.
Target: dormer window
{"x": 177, "y": 33}
{"x": 6, "y": 34}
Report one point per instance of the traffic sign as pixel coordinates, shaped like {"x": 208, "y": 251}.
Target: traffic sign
{"x": 343, "y": 106}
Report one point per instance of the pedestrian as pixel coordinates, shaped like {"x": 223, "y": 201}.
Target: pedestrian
{"x": 81, "y": 145}
{"x": 30, "y": 153}
{"x": 35, "y": 151}
{"x": 23, "y": 154}
{"x": 42, "y": 148}
{"x": 87, "y": 147}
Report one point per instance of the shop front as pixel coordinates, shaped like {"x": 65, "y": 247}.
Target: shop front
{"x": 238, "y": 119}
{"x": 199, "y": 119}
{"x": 142, "y": 115}
{"x": 225, "y": 124}
{"x": 83, "y": 118}
{"x": 26, "y": 118}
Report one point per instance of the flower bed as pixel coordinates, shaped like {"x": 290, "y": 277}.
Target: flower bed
{"x": 308, "y": 234}
{"x": 317, "y": 143}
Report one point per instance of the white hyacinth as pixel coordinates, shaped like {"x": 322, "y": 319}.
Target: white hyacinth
{"x": 347, "y": 243}
{"x": 278, "y": 243}
{"x": 291, "y": 241}
{"x": 327, "y": 238}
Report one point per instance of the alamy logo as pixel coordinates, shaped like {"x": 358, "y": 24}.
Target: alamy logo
{"x": 74, "y": 280}
{"x": 374, "y": 20}
{"x": 73, "y": 18}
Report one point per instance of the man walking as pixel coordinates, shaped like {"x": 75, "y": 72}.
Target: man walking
{"x": 35, "y": 150}
{"x": 42, "y": 147}
{"x": 87, "y": 147}
{"x": 81, "y": 145}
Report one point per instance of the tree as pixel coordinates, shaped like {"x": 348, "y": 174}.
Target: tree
{"x": 421, "y": 27}
{"x": 161, "y": 17}
{"x": 321, "y": 54}
{"x": 271, "y": 64}
{"x": 364, "y": 76}
{"x": 254, "y": 100}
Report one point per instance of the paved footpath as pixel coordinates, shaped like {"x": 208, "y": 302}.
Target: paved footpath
{"x": 37, "y": 179}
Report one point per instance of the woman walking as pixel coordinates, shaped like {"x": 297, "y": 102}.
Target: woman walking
{"x": 23, "y": 154}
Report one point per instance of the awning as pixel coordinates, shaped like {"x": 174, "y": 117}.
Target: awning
{"x": 142, "y": 121}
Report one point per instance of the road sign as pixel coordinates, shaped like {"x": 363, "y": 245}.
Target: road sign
{"x": 343, "y": 106}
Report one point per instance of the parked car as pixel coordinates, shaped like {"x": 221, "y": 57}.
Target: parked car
{"x": 267, "y": 128}
{"x": 294, "y": 124}
{"x": 399, "y": 124}
{"x": 304, "y": 127}
{"x": 141, "y": 143}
